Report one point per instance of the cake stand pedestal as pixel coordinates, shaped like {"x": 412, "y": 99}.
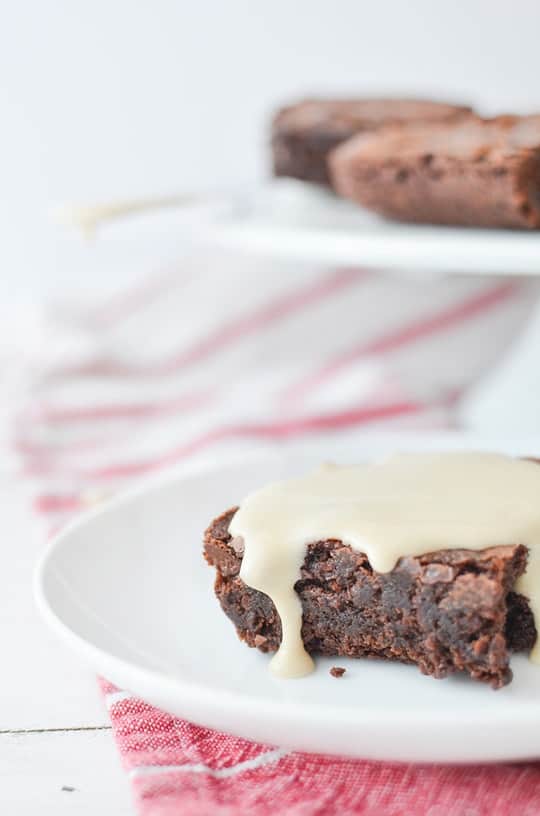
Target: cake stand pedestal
{"x": 289, "y": 220}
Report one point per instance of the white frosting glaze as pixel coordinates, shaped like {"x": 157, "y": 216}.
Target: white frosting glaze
{"x": 89, "y": 217}
{"x": 409, "y": 504}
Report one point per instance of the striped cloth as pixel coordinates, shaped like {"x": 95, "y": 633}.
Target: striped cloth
{"x": 217, "y": 355}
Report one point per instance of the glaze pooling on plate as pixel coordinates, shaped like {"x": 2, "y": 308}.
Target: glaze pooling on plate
{"x": 407, "y": 505}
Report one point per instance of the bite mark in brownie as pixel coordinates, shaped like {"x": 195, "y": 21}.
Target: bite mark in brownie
{"x": 448, "y": 611}
{"x": 303, "y": 134}
{"x": 471, "y": 172}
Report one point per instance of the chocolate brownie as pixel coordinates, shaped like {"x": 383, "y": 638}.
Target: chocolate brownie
{"x": 449, "y": 611}
{"x": 476, "y": 172}
{"x": 304, "y": 134}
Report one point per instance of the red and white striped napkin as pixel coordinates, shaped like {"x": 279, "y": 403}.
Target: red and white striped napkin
{"x": 220, "y": 354}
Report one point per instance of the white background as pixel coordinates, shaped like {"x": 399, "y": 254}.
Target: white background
{"x": 114, "y": 98}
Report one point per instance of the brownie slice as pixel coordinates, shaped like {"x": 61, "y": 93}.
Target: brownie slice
{"x": 304, "y": 134}
{"x": 475, "y": 172}
{"x": 449, "y": 611}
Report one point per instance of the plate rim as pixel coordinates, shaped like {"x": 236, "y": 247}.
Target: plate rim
{"x": 392, "y": 245}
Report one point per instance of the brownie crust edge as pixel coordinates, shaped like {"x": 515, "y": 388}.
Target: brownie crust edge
{"x": 446, "y": 612}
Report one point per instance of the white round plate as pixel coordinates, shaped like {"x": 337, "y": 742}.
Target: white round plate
{"x": 127, "y": 588}
{"x": 295, "y": 221}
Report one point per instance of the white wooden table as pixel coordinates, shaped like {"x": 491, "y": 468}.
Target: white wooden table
{"x": 57, "y": 753}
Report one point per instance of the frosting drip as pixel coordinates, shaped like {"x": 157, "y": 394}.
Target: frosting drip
{"x": 409, "y": 504}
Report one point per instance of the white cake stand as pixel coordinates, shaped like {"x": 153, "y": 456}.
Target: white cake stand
{"x": 291, "y": 220}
